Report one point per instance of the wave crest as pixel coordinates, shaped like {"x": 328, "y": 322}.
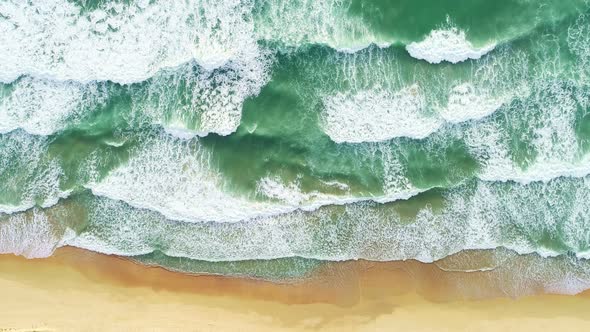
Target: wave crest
{"x": 447, "y": 45}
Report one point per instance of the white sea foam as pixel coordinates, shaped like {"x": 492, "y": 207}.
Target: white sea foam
{"x": 173, "y": 177}
{"x": 179, "y": 131}
{"x": 28, "y": 177}
{"x": 549, "y": 114}
{"x": 114, "y": 143}
{"x": 287, "y": 193}
{"x": 188, "y": 101}
{"x": 28, "y": 203}
{"x": 537, "y": 172}
{"x": 43, "y": 107}
{"x": 336, "y": 184}
{"x": 292, "y": 195}
{"x": 28, "y": 234}
{"x": 120, "y": 42}
{"x": 519, "y": 275}
{"x": 569, "y": 285}
{"x": 372, "y": 116}
{"x": 465, "y": 103}
{"x": 446, "y": 45}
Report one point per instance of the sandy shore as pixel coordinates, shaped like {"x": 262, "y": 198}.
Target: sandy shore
{"x": 77, "y": 290}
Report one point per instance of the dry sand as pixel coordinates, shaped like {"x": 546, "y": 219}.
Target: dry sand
{"x": 77, "y": 290}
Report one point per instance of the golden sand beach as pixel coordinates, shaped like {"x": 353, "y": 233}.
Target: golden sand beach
{"x": 76, "y": 290}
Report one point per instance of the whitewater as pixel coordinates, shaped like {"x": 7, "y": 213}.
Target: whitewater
{"x": 296, "y": 132}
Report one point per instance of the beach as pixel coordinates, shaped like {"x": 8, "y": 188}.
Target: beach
{"x": 76, "y": 290}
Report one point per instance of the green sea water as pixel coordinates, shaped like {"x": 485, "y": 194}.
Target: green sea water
{"x": 263, "y": 138}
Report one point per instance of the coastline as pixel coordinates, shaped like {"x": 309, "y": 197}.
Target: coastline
{"x": 77, "y": 290}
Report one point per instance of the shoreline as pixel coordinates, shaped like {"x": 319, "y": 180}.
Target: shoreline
{"x": 78, "y": 290}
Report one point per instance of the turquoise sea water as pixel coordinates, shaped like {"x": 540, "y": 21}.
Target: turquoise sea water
{"x": 263, "y": 138}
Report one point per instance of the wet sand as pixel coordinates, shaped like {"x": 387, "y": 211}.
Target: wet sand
{"x": 76, "y": 290}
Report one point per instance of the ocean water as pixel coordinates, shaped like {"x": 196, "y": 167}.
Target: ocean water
{"x": 263, "y": 138}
